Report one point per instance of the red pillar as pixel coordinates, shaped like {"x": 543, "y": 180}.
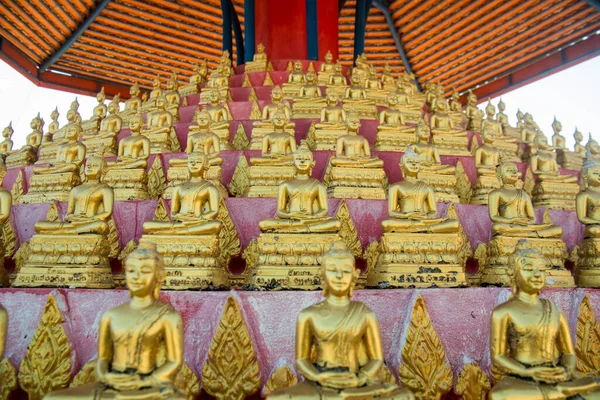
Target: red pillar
{"x": 327, "y": 17}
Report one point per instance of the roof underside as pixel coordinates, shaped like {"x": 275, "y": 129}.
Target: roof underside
{"x": 462, "y": 44}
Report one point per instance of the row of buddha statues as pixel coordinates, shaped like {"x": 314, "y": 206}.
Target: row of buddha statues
{"x": 287, "y": 254}
{"x": 339, "y": 350}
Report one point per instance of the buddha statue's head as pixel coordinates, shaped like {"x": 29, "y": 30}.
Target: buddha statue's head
{"x": 311, "y": 77}
{"x": 490, "y": 109}
{"x": 332, "y": 99}
{"x": 8, "y": 131}
{"x": 372, "y": 73}
{"x": 338, "y": 68}
{"x": 441, "y": 105}
{"x": 520, "y": 115}
{"x": 329, "y": 56}
{"x": 541, "y": 142}
{"x": 501, "y": 105}
{"x": 144, "y": 271}
{"x": 203, "y": 119}
{"x": 37, "y": 123}
{"x": 578, "y": 136}
{"x": 113, "y": 106}
{"x": 134, "y": 90}
{"x": 171, "y": 84}
{"x": 197, "y": 164}
{"x": 95, "y": 166}
{"x": 527, "y": 269}
{"x": 156, "y": 83}
{"x": 338, "y": 271}
{"x": 161, "y": 102}
{"x": 528, "y": 118}
{"x": 260, "y": 47}
{"x": 298, "y": 66}
{"x": 353, "y": 123}
{"x": 54, "y": 114}
{"x": 386, "y": 68}
{"x": 471, "y": 98}
{"x": 556, "y": 126}
{"x": 303, "y": 159}
{"x": 422, "y": 131}
{"x": 101, "y": 96}
{"x": 74, "y": 105}
{"x": 487, "y": 134}
{"x": 279, "y": 118}
{"x": 355, "y": 79}
{"x": 136, "y": 123}
{"x": 392, "y": 99}
{"x": 592, "y": 146}
{"x": 74, "y": 131}
{"x": 410, "y": 164}
{"x": 214, "y": 97}
{"x": 508, "y": 173}
{"x": 590, "y": 174}
{"x": 276, "y": 94}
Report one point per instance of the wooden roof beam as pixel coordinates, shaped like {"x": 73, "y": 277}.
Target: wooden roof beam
{"x": 53, "y": 19}
{"x": 18, "y": 39}
{"x": 46, "y": 25}
{"x": 12, "y": 19}
{"x": 69, "y": 42}
{"x": 60, "y": 7}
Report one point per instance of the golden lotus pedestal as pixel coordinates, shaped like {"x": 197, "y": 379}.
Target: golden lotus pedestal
{"x": 310, "y": 108}
{"x": 21, "y": 158}
{"x": 290, "y": 90}
{"x": 569, "y": 159}
{"x": 258, "y": 133}
{"x": 444, "y": 186}
{"x": 79, "y": 261}
{"x": 449, "y": 145}
{"x": 419, "y": 260}
{"x": 189, "y": 89}
{"x": 378, "y": 96}
{"x": 482, "y": 188}
{"x": 499, "y": 249}
{"x": 587, "y": 272}
{"x": 508, "y": 151}
{"x": 366, "y": 110}
{"x": 91, "y": 127}
{"x": 180, "y": 174}
{"x": 338, "y": 91}
{"x": 47, "y": 154}
{"x": 50, "y": 187}
{"x": 256, "y": 66}
{"x": 95, "y": 145}
{"x": 128, "y": 184}
{"x": 291, "y": 260}
{"x": 356, "y": 183}
{"x": 190, "y": 261}
{"x": 388, "y": 140}
{"x": 265, "y": 180}
{"x": 326, "y": 139}
{"x": 555, "y": 195}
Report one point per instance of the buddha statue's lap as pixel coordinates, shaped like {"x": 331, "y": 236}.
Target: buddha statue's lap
{"x": 159, "y": 129}
{"x": 447, "y": 138}
{"x": 91, "y": 126}
{"x": 587, "y": 271}
{"x": 27, "y": 154}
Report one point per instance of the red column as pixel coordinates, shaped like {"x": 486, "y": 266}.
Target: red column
{"x": 327, "y": 17}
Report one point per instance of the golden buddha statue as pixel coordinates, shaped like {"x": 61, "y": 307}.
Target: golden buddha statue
{"x": 387, "y": 80}
{"x": 310, "y": 101}
{"x": 337, "y": 83}
{"x": 173, "y": 97}
{"x": 392, "y": 132}
{"x": 159, "y": 129}
{"x": 374, "y": 88}
{"x": 220, "y": 120}
{"x": 54, "y": 125}
{"x": 355, "y": 173}
{"x": 7, "y": 144}
{"x": 265, "y": 125}
{"x": 558, "y": 140}
{"x": 291, "y": 245}
{"x": 564, "y": 157}
{"x": 92, "y": 125}
{"x": 27, "y": 154}
{"x": 449, "y": 139}
{"x": 189, "y": 241}
{"x": 345, "y": 338}
{"x": 580, "y": 149}
{"x": 507, "y": 145}
{"x": 513, "y": 217}
{"x": 74, "y": 253}
{"x": 414, "y": 229}
{"x": 196, "y": 79}
{"x": 530, "y": 341}
{"x": 225, "y": 64}
{"x": 490, "y": 122}
{"x": 276, "y": 164}
{"x": 259, "y": 61}
{"x": 133, "y": 105}
{"x": 455, "y": 109}
{"x": 327, "y": 69}
{"x": 474, "y": 115}
{"x": 592, "y": 150}
{"x": 50, "y": 143}
{"x": 587, "y": 270}
{"x": 331, "y": 125}
{"x": 150, "y": 104}
{"x": 361, "y": 69}
{"x": 296, "y": 79}
{"x": 202, "y": 140}
{"x": 487, "y": 159}
{"x": 412, "y": 110}
{"x": 3, "y": 329}
{"x": 218, "y": 81}
{"x": 441, "y": 178}
{"x": 127, "y": 175}
{"x": 529, "y": 129}
{"x": 503, "y": 119}
{"x": 54, "y": 182}
{"x": 106, "y": 137}
{"x": 552, "y": 189}
{"x": 5, "y": 207}
{"x": 131, "y": 337}
{"x": 356, "y": 101}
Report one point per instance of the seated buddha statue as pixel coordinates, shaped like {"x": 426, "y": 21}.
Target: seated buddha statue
{"x": 580, "y": 149}
{"x": 259, "y": 61}
{"x": 7, "y": 144}
{"x": 127, "y": 174}
{"x": 564, "y": 157}
{"x": 296, "y": 79}
{"x": 106, "y": 137}
{"x": 91, "y": 126}
{"x": 173, "y": 97}
{"x": 200, "y": 72}
{"x": 159, "y": 129}
{"x": 339, "y": 330}
{"x": 133, "y": 105}
{"x": 544, "y": 166}
{"x": 131, "y": 335}
{"x": 218, "y": 81}
{"x": 592, "y": 150}
{"x": 310, "y": 101}
{"x": 474, "y": 115}
{"x": 487, "y": 158}
{"x": 374, "y": 88}
{"x": 392, "y": 132}
{"x": 27, "y": 154}
{"x": 86, "y": 263}
{"x": 357, "y": 101}
{"x": 337, "y": 82}
{"x": 529, "y": 129}
{"x": 326, "y": 70}
{"x": 225, "y": 64}
{"x": 507, "y": 145}
{"x": 220, "y": 119}
{"x": 490, "y": 122}
{"x": 361, "y": 68}
{"x": 446, "y": 136}
{"x": 587, "y": 201}
{"x": 355, "y": 173}
{"x": 531, "y": 347}
{"x": 50, "y": 143}
{"x": 455, "y": 109}
{"x": 54, "y": 125}
{"x": 150, "y": 104}
{"x": 501, "y": 117}
{"x": 411, "y": 109}
{"x": 332, "y": 124}
{"x": 265, "y": 125}
{"x": 558, "y": 141}
{"x": 413, "y": 229}
{"x": 387, "y": 80}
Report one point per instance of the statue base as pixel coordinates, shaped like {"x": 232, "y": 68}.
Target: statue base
{"x": 47, "y": 153}
{"x": 163, "y": 142}
{"x": 224, "y": 94}
{"x": 95, "y": 145}
{"x": 79, "y": 261}
{"x": 308, "y": 108}
{"x": 499, "y": 249}
{"x": 508, "y": 151}
{"x": 587, "y": 272}
{"x": 569, "y": 159}
{"x": 51, "y": 187}
{"x": 555, "y": 195}
{"x": 483, "y": 186}
{"x": 256, "y": 66}
{"x": 338, "y": 91}
{"x": 291, "y": 260}
{"x": 395, "y": 140}
{"x": 326, "y": 139}
{"x": 412, "y": 115}
{"x": 420, "y": 260}
{"x": 356, "y": 183}
{"x": 364, "y": 111}
{"x": 290, "y": 90}
{"x": 265, "y": 180}
{"x": 180, "y": 174}
{"x": 189, "y": 89}
{"x": 452, "y": 146}
{"x": 444, "y": 186}
{"x": 21, "y": 158}
{"x": 128, "y": 184}
{"x": 258, "y": 133}
{"x": 190, "y": 261}
{"x": 379, "y": 96}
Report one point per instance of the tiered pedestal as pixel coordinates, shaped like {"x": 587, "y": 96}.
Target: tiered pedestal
{"x": 569, "y": 159}
{"x": 587, "y": 272}
{"x": 67, "y": 261}
{"x": 95, "y": 145}
{"x": 338, "y": 91}
{"x": 308, "y": 108}
{"x": 419, "y": 260}
{"x": 449, "y": 145}
{"x": 499, "y": 249}
{"x": 364, "y": 111}
{"x": 265, "y": 180}
{"x": 482, "y": 188}
{"x": 259, "y": 133}
{"x": 190, "y": 261}
{"x": 508, "y": 151}
{"x": 21, "y": 158}
{"x": 290, "y": 91}
{"x": 91, "y": 127}
{"x": 291, "y": 260}
{"x": 394, "y": 140}
{"x": 256, "y": 66}
{"x": 128, "y": 184}
{"x": 161, "y": 142}
{"x": 51, "y": 187}
{"x": 47, "y": 153}
{"x": 444, "y": 186}
{"x": 356, "y": 183}
{"x": 326, "y": 139}
{"x": 379, "y": 96}
{"x": 189, "y": 89}
{"x": 180, "y": 174}
{"x": 555, "y": 195}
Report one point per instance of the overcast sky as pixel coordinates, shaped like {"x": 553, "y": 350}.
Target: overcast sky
{"x": 572, "y": 95}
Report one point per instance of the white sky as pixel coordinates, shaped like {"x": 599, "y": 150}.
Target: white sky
{"x": 572, "y": 95}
